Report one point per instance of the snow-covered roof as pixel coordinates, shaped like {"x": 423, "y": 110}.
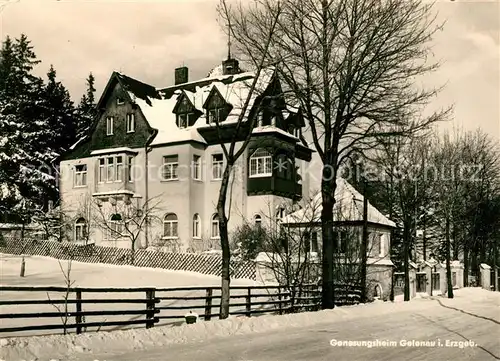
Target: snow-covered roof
{"x": 113, "y": 150}
{"x": 348, "y": 207}
{"x": 234, "y": 89}
{"x": 272, "y": 129}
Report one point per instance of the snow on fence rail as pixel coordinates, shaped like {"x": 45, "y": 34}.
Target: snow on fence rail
{"x": 202, "y": 263}
{"x": 93, "y": 309}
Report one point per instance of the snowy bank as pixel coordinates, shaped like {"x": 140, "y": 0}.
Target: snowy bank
{"x": 62, "y": 347}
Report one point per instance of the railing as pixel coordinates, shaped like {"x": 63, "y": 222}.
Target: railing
{"x": 83, "y": 309}
{"x": 72, "y": 316}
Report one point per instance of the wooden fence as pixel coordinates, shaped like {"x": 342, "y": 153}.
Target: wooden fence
{"x": 92, "y": 309}
{"x": 202, "y": 263}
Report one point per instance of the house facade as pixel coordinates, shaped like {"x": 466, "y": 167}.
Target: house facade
{"x": 348, "y": 232}
{"x": 158, "y": 151}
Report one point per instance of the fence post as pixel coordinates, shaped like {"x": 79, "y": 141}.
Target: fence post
{"x": 78, "y": 317}
{"x": 280, "y": 306}
{"x": 249, "y": 302}
{"x": 150, "y": 307}
{"x": 208, "y": 304}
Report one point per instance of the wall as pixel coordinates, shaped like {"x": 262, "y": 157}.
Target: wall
{"x": 380, "y": 275}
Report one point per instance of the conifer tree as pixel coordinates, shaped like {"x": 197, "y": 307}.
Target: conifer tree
{"x": 24, "y": 154}
{"x": 87, "y": 108}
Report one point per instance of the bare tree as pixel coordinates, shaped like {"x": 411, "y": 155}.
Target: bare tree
{"x": 63, "y": 308}
{"x": 354, "y": 69}
{"x": 403, "y": 182}
{"x": 469, "y": 168}
{"x": 234, "y": 147}
{"x": 126, "y": 219}
{"x": 287, "y": 252}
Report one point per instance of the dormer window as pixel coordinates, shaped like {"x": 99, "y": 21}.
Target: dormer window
{"x": 216, "y": 115}
{"x": 217, "y": 109}
{"x": 185, "y": 120}
{"x": 120, "y": 101}
{"x": 186, "y": 113}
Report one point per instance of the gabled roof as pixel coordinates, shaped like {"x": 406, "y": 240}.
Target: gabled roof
{"x": 213, "y": 92}
{"x": 133, "y": 86}
{"x": 139, "y": 89}
{"x": 234, "y": 89}
{"x": 182, "y": 95}
{"x": 158, "y": 104}
{"x": 348, "y": 207}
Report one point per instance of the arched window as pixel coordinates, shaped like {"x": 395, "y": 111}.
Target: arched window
{"x": 115, "y": 226}
{"x": 196, "y": 226}
{"x": 258, "y": 220}
{"x": 170, "y": 226}
{"x": 215, "y": 226}
{"x": 80, "y": 229}
{"x": 261, "y": 164}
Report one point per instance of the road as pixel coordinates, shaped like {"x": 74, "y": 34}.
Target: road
{"x": 447, "y": 324}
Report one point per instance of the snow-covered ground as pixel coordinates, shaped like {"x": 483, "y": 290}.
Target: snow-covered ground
{"x": 91, "y": 346}
{"x": 45, "y": 271}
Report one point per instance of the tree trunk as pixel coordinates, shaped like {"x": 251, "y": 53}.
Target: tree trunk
{"x": 224, "y": 242}
{"x": 466, "y": 264}
{"x": 495, "y": 264}
{"x": 133, "y": 252}
{"x": 364, "y": 245}
{"x": 456, "y": 249}
{"x": 424, "y": 243}
{"x": 328, "y": 248}
{"x": 448, "y": 256}
{"x": 406, "y": 251}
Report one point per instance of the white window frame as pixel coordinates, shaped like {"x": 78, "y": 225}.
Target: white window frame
{"x": 110, "y": 125}
{"x": 102, "y": 170}
{"x": 130, "y": 165}
{"x": 110, "y": 169}
{"x": 182, "y": 120}
{"x": 173, "y": 167}
{"x": 196, "y": 167}
{"x": 340, "y": 241}
{"x": 196, "y": 226}
{"x": 130, "y": 123}
{"x": 214, "y": 224}
{"x": 80, "y": 177}
{"x": 214, "y": 115}
{"x": 120, "y": 101}
{"x": 217, "y": 166}
{"x": 264, "y": 161}
{"x": 115, "y": 228}
{"x": 118, "y": 169}
{"x": 173, "y": 226}
{"x": 382, "y": 240}
{"x": 80, "y": 229}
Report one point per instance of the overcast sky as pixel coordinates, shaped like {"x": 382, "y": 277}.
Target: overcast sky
{"x": 148, "y": 39}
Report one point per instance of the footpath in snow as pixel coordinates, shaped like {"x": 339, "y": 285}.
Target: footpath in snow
{"x": 60, "y": 347}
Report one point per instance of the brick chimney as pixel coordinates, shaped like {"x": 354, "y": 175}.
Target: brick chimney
{"x": 181, "y": 75}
